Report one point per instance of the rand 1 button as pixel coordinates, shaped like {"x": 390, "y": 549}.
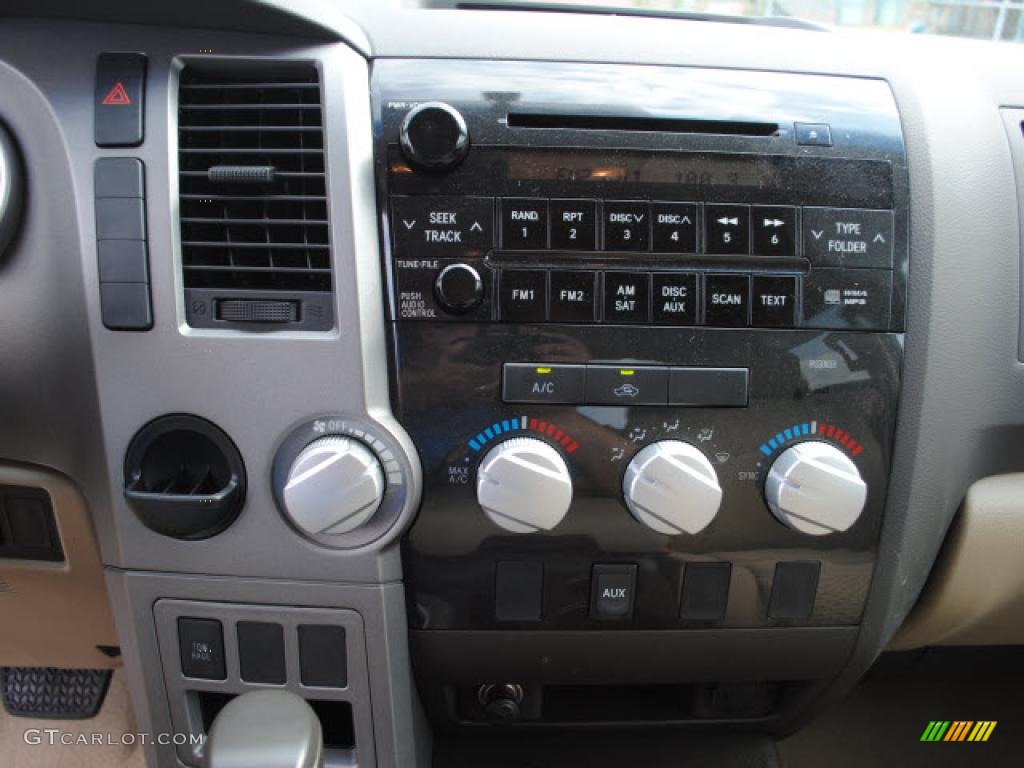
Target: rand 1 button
{"x": 627, "y": 297}
{"x": 542, "y": 383}
{"x": 674, "y": 299}
{"x": 627, "y": 225}
{"x": 708, "y": 387}
{"x": 857, "y": 299}
{"x": 524, "y": 223}
{"x": 727, "y": 229}
{"x": 572, "y": 297}
{"x": 523, "y": 296}
{"x": 773, "y": 304}
{"x": 774, "y": 230}
{"x": 675, "y": 227}
{"x": 848, "y": 237}
{"x": 727, "y": 300}
{"x": 613, "y": 588}
{"x": 625, "y": 385}
{"x": 574, "y": 225}
{"x": 429, "y": 225}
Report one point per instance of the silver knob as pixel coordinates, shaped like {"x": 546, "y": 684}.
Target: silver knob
{"x": 815, "y": 488}
{"x": 523, "y": 485}
{"x": 334, "y": 486}
{"x": 671, "y": 487}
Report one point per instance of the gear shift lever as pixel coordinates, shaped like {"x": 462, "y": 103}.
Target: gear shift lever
{"x": 265, "y": 729}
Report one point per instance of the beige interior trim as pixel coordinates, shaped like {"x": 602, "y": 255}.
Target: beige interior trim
{"x": 55, "y": 614}
{"x": 975, "y": 595}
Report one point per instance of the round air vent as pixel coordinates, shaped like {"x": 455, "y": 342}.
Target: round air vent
{"x": 12, "y": 189}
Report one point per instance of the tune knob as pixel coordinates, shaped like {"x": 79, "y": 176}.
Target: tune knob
{"x": 815, "y": 488}
{"x": 334, "y": 486}
{"x": 459, "y": 288}
{"x": 671, "y": 487}
{"x": 523, "y": 485}
{"x": 434, "y": 136}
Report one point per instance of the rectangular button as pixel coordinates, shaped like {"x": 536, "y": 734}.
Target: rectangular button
{"x": 675, "y": 298}
{"x": 518, "y": 591}
{"x": 624, "y": 385}
{"x": 774, "y": 301}
{"x": 612, "y": 589}
{"x": 675, "y": 227}
{"x": 261, "y": 652}
{"x": 794, "y": 589}
{"x": 813, "y": 134}
{"x": 120, "y": 87}
{"x": 705, "y": 594}
{"x": 848, "y": 237}
{"x": 857, "y": 299}
{"x": 627, "y": 226}
{"x": 727, "y": 229}
{"x": 627, "y": 297}
{"x": 709, "y": 387}
{"x": 125, "y": 306}
{"x": 434, "y": 225}
{"x": 118, "y": 177}
{"x": 572, "y": 297}
{"x": 727, "y": 300}
{"x": 120, "y": 218}
{"x": 574, "y": 225}
{"x": 774, "y": 230}
{"x": 122, "y": 261}
{"x": 323, "y": 660}
{"x": 201, "y": 646}
{"x": 524, "y": 295}
{"x": 524, "y": 224}
{"x": 542, "y": 383}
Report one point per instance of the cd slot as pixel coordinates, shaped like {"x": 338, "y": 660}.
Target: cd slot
{"x": 578, "y": 122}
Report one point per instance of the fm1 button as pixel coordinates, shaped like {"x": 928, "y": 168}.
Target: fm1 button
{"x": 774, "y": 301}
{"x": 726, "y": 300}
{"x": 523, "y": 295}
{"x": 540, "y": 383}
{"x": 675, "y": 299}
{"x": 627, "y": 297}
{"x": 613, "y": 590}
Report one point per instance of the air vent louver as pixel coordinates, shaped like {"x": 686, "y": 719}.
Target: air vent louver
{"x": 253, "y": 190}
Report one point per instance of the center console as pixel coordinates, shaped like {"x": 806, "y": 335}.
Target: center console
{"x": 646, "y": 334}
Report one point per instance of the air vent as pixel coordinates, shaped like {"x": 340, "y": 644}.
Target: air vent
{"x": 254, "y": 222}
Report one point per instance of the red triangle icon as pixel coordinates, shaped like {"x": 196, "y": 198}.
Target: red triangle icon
{"x": 118, "y": 96}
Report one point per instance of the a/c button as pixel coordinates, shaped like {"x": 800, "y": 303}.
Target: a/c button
{"x": 542, "y": 383}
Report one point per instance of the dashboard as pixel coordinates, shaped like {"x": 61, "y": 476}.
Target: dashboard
{"x": 460, "y": 371}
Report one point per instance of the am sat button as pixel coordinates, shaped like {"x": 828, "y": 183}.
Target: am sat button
{"x": 542, "y": 383}
{"x": 848, "y": 237}
{"x": 627, "y": 297}
{"x": 856, "y": 299}
{"x": 625, "y": 385}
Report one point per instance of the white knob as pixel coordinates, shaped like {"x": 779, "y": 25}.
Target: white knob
{"x": 671, "y": 486}
{"x": 334, "y": 486}
{"x": 523, "y": 485}
{"x": 814, "y": 488}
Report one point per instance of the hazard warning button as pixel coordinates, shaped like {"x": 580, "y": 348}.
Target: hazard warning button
{"x": 120, "y": 86}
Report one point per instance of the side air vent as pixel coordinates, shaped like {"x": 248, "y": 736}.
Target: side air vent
{"x": 253, "y": 195}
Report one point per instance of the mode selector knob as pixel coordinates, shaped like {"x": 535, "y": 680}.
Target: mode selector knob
{"x": 434, "y": 136}
{"x": 815, "y": 488}
{"x": 671, "y": 487}
{"x": 334, "y": 486}
{"x": 523, "y": 485}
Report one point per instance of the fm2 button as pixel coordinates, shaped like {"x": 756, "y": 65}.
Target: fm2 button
{"x": 613, "y": 589}
{"x": 541, "y": 383}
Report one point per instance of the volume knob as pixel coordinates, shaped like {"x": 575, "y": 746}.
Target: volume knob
{"x": 523, "y": 485}
{"x": 815, "y": 488}
{"x": 433, "y": 136}
{"x": 334, "y": 486}
{"x": 672, "y": 488}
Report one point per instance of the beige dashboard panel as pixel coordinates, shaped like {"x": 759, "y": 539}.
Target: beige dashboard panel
{"x": 975, "y": 595}
{"x": 55, "y": 614}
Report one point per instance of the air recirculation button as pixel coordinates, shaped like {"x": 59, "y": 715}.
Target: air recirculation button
{"x": 184, "y": 477}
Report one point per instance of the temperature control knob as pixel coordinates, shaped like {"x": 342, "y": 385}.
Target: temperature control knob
{"x": 523, "y": 485}
{"x": 815, "y": 488}
{"x": 671, "y": 487}
{"x": 433, "y": 136}
{"x": 334, "y": 486}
